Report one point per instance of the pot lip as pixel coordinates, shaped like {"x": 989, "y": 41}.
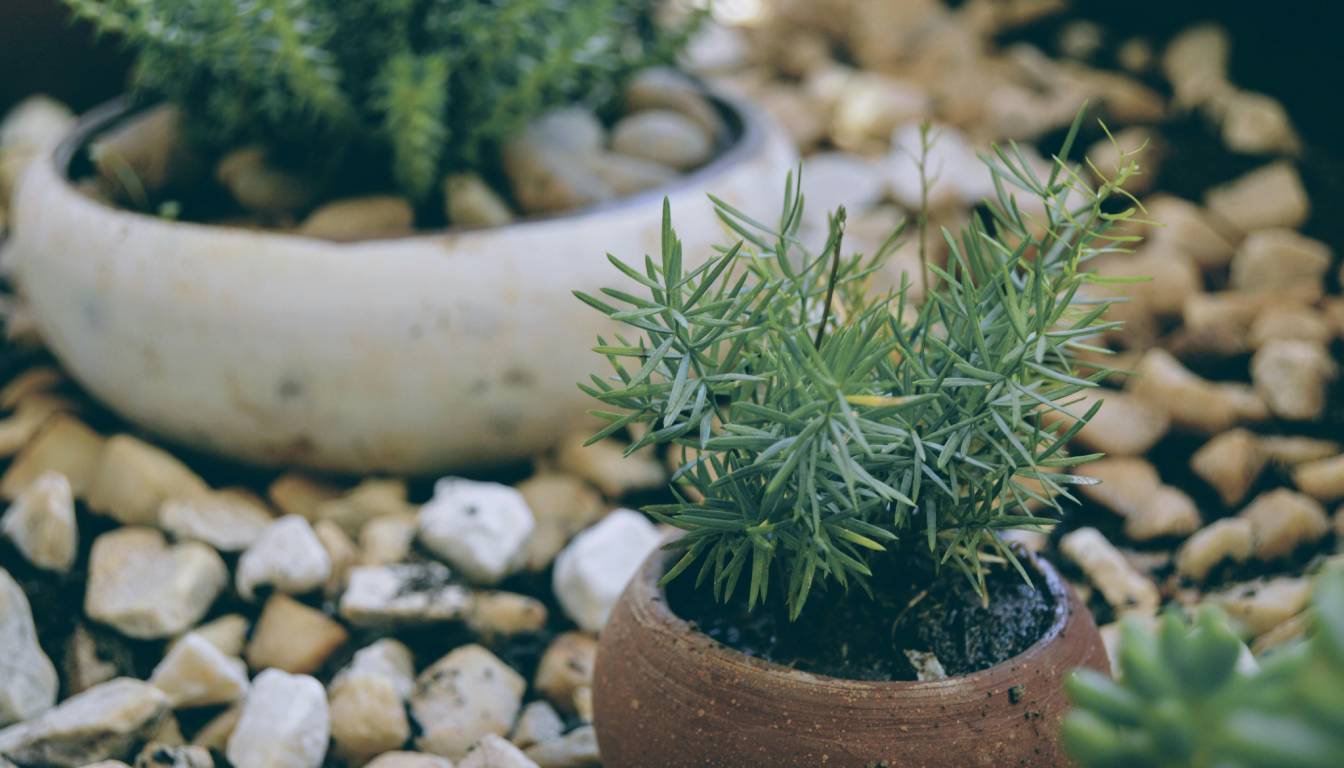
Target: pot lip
{"x": 753, "y": 132}
{"x": 644, "y": 589}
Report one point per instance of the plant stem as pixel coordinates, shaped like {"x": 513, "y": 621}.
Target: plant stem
{"x": 839, "y": 224}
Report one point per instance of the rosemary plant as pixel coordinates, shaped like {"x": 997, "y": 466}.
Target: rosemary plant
{"x": 1183, "y": 700}
{"x": 426, "y": 86}
{"x": 820, "y": 425}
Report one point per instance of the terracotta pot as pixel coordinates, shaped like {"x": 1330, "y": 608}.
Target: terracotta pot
{"x": 412, "y": 355}
{"x": 667, "y": 695}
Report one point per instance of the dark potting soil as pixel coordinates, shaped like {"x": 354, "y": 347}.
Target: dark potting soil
{"x": 860, "y": 637}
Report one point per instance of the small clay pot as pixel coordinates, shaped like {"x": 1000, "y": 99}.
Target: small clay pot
{"x": 667, "y": 695}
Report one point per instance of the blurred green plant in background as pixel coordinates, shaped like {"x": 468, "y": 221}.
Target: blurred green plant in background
{"x": 420, "y": 87}
{"x": 1183, "y": 700}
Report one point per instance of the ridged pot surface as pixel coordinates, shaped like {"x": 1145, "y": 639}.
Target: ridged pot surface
{"x": 410, "y": 355}
{"x": 667, "y": 695}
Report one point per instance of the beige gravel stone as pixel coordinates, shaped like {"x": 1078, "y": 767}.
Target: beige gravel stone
{"x": 463, "y": 697}
{"x": 1262, "y": 604}
{"x": 1125, "y": 426}
{"x": 228, "y": 633}
{"x": 28, "y": 681}
{"x": 1256, "y": 124}
{"x": 387, "y": 539}
{"x": 1289, "y": 321}
{"x": 215, "y": 733}
{"x": 1280, "y": 261}
{"x": 494, "y": 752}
{"x": 195, "y": 673}
{"x": 566, "y": 666}
{"x": 563, "y": 505}
{"x": 360, "y": 218}
{"x": 1131, "y": 488}
{"x": 1268, "y": 197}
{"x": 1286, "y": 632}
{"x": 1230, "y": 462}
{"x": 1282, "y": 520}
{"x": 576, "y": 749}
{"x": 105, "y": 722}
{"x": 146, "y": 588}
{"x": 605, "y": 465}
{"x": 1185, "y": 227}
{"x": 368, "y": 716}
{"x": 1322, "y": 479}
{"x": 226, "y": 520}
{"x": 1124, "y": 588}
{"x": 260, "y": 186}
{"x": 1219, "y": 324}
{"x": 297, "y": 494}
{"x": 1195, "y": 63}
{"x": 1291, "y": 450}
{"x": 470, "y": 202}
{"x": 341, "y": 551}
{"x": 372, "y": 498}
{"x": 64, "y": 445}
{"x": 409, "y": 760}
{"x": 33, "y": 381}
{"x": 27, "y": 420}
{"x": 293, "y": 637}
{"x": 1192, "y": 402}
{"x": 1227, "y": 539}
{"x": 41, "y": 523}
{"x": 1292, "y": 377}
{"x": 870, "y": 106}
{"x": 538, "y": 722}
{"x": 159, "y": 755}
{"x": 133, "y": 478}
{"x": 92, "y": 657}
{"x": 495, "y": 614}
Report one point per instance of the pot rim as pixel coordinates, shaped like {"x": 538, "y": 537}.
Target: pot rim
{"x": 653, "y": 605}
{"x": 743, "y": 117}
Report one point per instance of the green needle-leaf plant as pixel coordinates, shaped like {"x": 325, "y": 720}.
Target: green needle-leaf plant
{"x": 415, "y": 87}
{"x": 821, "y": 424}
{"x": 1183, "y": 700}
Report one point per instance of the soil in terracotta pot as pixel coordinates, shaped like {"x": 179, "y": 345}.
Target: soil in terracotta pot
{"x": 857, "y": 637}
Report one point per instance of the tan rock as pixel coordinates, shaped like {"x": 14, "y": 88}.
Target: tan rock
{"x": 1282, "y": 520}
{"x": 1230, "y": 462}
{"x": 261, "y": 187}
{"x": 1282, "y": 262}
{"x": 1291, "y": 450}
{"x": 195, "y": 673}
{"x": 409, "y": 760}
{"x": 341, "y": 551}
{"x": 1256, "y": 124}
{"x": 668, "y": 88}
{"x": 576, "y": 749}
{"x": 41, "y": 523}
{"x": 1135, "y": 142}
{"x": 360, "y": 218}
{"x": 133, "y": 478}
{"x": 870, "y": 107}
{"x": 368, "y": 717}
{"x": 1169, "y": 512}
{"x": 146, "y": 155}
{"x": 804, "y": 124}
{"x": 1195, "y": 63}
{"x": 93, "y": 656}
{"x": 372, "y": 498}
{"x": 293, "y": 637}
{"x": 1268, "y": 197}
{"x": 493, "y": 614}
{"x": 228, "y": 633}
{"x": 1131, "y": 488}
{"x": 62, "y": 445}
{"x": 32, "y": 381}
{"x": 1292, "y": 377}
{"x": 562, "y": 505}
{"x": 494, "y": 752}
{"x": 1219, "y": 324}
{"x": 29, "y": 416}
{"x": 105, "y": 722}
{"x": 387, "y": 539}
{"x": 605, "y": 465}
{"x": 1227, "y": 539}
{"x": 463, "y": 697}
{"x": 1127, "y": 590}
{"x": 1262, "y": 604}
{"x": 1322, "y": 479}
{"x": 1290, "y": 322}
{"x": 297, "y": 494}
{"x": 1290, "y": 630}
{"x": 226, "y": 520}
{"x": 566, "y": 666}
{"x": 1192, "y": 402}
{"x": 147, "y": 589}
{"x": 469, "y": 202}
{"x": 538, "y": 722}
{"x": 1184, "y": 227}
{"x": 1125, "y": 425}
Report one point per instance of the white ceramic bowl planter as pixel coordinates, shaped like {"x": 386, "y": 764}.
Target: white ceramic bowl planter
{"x": 411, "y": 355}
